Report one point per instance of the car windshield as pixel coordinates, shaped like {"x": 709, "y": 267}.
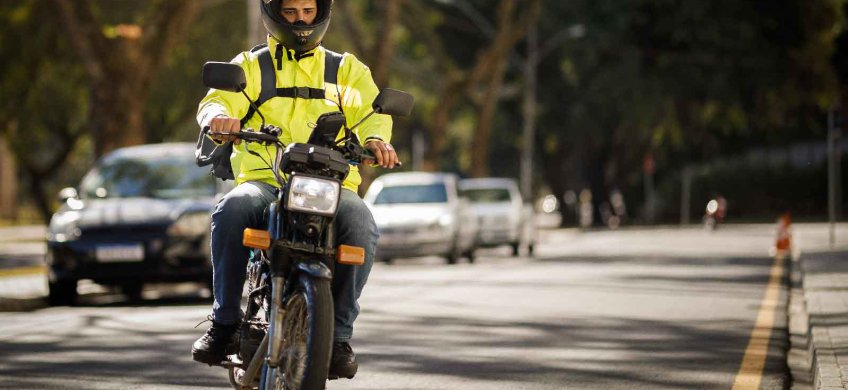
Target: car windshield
{"x": 136, "y": 176}
{"x": 487, "y": 195}
{"x": 428, "y": 193}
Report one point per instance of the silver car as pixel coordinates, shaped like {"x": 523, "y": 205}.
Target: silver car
{"x": 421, "y": 214}
{"x": 501, "y": 214}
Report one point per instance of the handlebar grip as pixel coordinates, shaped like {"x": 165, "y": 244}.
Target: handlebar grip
{"x": 261, "y": 137}
{"x": 249, "y": 136}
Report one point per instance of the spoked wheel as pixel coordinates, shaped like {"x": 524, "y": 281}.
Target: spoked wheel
{"x": 307, "y": 331}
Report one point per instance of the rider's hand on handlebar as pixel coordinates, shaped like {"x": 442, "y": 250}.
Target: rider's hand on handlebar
{"x": 225, "y": 124}
{"x": 384, "y": 152}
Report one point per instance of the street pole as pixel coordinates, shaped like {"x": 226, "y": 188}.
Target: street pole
{"x": 648, "y": 168}
{"x": 832, "y": 134}
{"x": 528, "y": 111}
{"x": 255, "y": 30}
{"x": 685, "y": 195}
{"x": 418, "y": 145}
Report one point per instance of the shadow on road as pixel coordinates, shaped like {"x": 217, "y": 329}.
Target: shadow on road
{"x": 104, "y": 350}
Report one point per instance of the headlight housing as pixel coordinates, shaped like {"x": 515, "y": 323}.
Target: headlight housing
{"x": 63, "y": 227}
{"x": 191, "y": 224}
{"x": 313, "y": 195}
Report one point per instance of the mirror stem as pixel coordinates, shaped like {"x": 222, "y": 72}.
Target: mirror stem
{"x": 254, "y": 108}
{"x": 363, "y": 119}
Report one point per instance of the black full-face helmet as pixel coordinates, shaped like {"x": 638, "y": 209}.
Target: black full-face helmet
{"x": 297, "y": 36}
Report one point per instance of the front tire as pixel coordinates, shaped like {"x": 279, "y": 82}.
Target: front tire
{"x": 62, "y": 293}
{"x": 132, "y": 290}
{"x": 516, "y": 248}
{"x": 307, "y": 338}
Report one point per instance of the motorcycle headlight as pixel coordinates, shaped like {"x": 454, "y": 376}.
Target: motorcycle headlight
{"x": 191, "y": 224}
{"x": 313, "y": 195}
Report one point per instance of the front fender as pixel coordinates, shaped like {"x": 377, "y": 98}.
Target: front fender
{"x": 314, "y": 268}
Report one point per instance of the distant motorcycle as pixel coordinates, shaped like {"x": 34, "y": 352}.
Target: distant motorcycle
{"x": 715, "y": 212}
{"x": 286, "y": 334}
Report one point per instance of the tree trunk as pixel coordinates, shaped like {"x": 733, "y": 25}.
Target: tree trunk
{"x": 8, "y": 183}
{"x": 441, "y": 120}
{"x": 121, "y": 66}
{"x": 491, "y": 67}
{"x": 384, "y": 48}
{"x": 483, "y": 135}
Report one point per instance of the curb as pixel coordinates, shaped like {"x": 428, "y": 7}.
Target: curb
{"x": 22, "y": 289}
{"x": 22, "y": 304}
{"x": 814, "y": 359}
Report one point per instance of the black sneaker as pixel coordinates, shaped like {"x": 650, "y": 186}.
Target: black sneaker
{"x": 213, "y": 347}
{"x": 343, "y": 362}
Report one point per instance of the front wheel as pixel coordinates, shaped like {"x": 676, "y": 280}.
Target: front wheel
{"x": 62, "y": 292}
{"x": 307, "y": 337}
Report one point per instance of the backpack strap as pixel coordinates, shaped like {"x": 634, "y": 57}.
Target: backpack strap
{"x": 332, "y": 62}
{"x": 268, "y": 77}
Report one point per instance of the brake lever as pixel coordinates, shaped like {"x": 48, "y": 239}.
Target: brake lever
{"x": 361, "y": 153}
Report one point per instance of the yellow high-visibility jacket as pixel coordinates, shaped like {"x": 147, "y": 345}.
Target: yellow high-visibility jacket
{"x": 296, "y": 116}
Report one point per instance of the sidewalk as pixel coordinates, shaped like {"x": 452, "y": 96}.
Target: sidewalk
{"x": 818, "y": 318}
{"x": 23, "y": 292}
{"x": 22, "y": 285}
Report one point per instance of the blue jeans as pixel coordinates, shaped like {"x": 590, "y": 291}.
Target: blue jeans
{"x": 247, "y": 206}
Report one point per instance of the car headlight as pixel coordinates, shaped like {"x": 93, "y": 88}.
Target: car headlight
{"x": 313, "y": 195}
{"x": 63, "y": 227}
{"x": 446, "y": 220}
{"x": 190, "y": 224}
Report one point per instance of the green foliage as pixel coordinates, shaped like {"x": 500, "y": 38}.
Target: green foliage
{"x": 44, "y": 108}
{"x": 218, "y": 34}
{"x": 684, "y": 80}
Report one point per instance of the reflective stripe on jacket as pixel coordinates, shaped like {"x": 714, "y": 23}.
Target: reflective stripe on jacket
{"x": 296, "y": 116}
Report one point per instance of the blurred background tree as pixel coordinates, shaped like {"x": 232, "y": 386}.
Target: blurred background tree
{"x": 682, "y": 83}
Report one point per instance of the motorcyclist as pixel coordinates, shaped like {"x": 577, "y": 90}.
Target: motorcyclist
{"x": 295, "y": 28}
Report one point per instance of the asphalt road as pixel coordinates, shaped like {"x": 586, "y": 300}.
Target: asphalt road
{"x": 633, "y": 309}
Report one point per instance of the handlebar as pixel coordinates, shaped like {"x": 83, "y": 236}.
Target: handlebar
{"x": 353, "y": 151}
{"x": 250, "y": 136}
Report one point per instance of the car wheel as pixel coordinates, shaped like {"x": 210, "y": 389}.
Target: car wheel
{"x": 470, "y": 255}
{"x": 515, "y": 248}
{"x": 62, "y": 293}
{"x": 132, "y": 290}
{"x": 454, "y": 255}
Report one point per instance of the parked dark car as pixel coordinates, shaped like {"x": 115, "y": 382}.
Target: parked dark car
{"x": 141, "y": 214}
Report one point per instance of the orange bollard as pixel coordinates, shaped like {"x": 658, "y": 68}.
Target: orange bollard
{"x": 784, "y": 235}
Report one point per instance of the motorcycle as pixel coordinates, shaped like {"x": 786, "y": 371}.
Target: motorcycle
{"x": 286, "y": 333}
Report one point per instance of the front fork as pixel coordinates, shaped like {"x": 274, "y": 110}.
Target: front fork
{"x": 275, "y": 333}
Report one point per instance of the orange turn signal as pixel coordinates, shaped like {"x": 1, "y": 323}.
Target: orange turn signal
{"x": 254, "y": 238}
{"x": 351, "y": 255}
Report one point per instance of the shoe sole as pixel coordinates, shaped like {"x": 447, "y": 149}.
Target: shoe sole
{"x": 349, "y": 374}
{"x": 207, "y": 358}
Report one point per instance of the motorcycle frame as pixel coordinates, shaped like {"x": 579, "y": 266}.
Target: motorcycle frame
{"x": 286, "y": 264}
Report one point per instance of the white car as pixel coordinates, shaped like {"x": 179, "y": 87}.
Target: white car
{"x": 421, "y": 214}
{"x": 503, "y": 217}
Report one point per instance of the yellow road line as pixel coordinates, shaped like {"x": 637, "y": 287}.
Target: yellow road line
{"x": 751, "y": 370}
{"x": 22, "y": 271}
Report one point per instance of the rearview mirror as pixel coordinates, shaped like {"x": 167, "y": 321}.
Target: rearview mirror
{"x": 393, "y": 102}
{"x": 224, "y": 76}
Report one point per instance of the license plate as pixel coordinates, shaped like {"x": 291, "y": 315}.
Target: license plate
{"x": 120, "y": 253}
